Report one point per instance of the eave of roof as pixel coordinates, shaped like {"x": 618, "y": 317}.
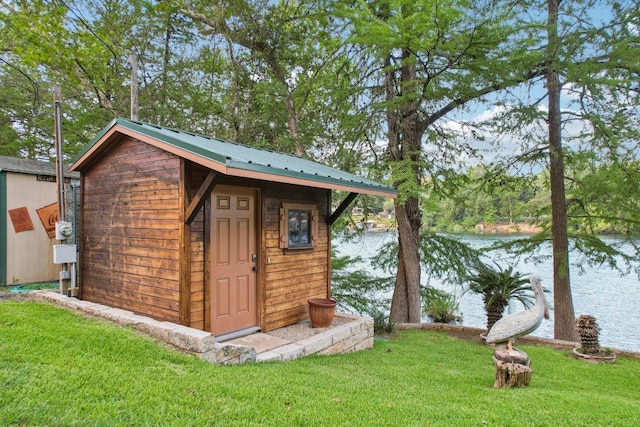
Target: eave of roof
{"x": 31, "y": 167}
{"x": 232, "y": 159}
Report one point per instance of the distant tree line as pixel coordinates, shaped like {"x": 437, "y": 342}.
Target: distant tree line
{"x": 525, "y": 200}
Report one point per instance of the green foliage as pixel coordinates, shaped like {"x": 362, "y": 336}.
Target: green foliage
{"x": 439, "y": 305}
{"x": 353, "y": 71}
{"x": 403, "y": 174}
{"x": 498, "y": 287}
{"x": 600, "y": 200}
{"x": 444, "y": 257}
{"x": 487, "y": 195}
{"x": 620, "y": 254}
{"x": 603, "y": 197}
{"x": 382, "y": 324}
{"x": 27, "y": 287}
{"x": 356, "y": 289}
{"x": 58, "y": 368}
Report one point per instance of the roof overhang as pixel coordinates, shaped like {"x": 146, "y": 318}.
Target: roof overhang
{"x": 230, "y": 159}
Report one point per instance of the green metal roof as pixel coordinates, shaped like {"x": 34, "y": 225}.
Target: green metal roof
{"x": 235, "y": 159}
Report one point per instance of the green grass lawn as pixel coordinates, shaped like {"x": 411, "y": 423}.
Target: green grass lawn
{"x": 61, "y": 369}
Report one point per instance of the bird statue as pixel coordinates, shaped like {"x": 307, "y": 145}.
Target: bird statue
{"x": 515, "y": 325}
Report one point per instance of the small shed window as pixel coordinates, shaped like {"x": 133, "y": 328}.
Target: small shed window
{"x": 298, "y": 226}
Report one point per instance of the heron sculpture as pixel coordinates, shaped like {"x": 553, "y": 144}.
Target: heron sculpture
{"x": 515, "y": 325}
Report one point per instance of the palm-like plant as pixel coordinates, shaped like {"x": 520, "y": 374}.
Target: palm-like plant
{"x": 498, "y": 287}
{"x": 588, "y": 332}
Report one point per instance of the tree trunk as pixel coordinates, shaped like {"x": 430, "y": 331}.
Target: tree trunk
{"x": 494, "y": 312}
{"x": 509, "y": 374}
{"x": 294, "y": 128}
{"x": 563, "y": 303}
{"x": 513, "y": 368}
{"x": 233, "y": 108}
{"x": 404, "y": 147}
{"x": 405, "y": 305}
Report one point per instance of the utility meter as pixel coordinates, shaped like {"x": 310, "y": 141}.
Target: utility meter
{"x": 63, "y": 230}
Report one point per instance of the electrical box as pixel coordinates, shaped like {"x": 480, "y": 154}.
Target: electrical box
{"x": 64, "y": 230}
{"x": 64, "y": 254}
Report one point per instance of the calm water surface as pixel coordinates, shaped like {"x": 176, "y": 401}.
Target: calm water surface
{"x": 606, "y": 294}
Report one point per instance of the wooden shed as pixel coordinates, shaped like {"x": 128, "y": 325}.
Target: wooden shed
{"x": 210, "y": 234}
{"x": 28, "y": 212}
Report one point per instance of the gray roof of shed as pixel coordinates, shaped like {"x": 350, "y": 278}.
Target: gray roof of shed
{"x": 31, "y": 167}
{"x": 232, "y": 159}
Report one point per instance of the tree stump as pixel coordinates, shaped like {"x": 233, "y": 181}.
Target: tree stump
{"x": 513, "y": 369}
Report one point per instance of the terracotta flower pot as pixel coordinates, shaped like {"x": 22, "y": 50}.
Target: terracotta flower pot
{"x": 321, "y": 311}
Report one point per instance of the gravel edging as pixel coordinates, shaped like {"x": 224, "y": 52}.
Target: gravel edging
{"x": 303, "y": 330}
{"x": 5, "y": 296}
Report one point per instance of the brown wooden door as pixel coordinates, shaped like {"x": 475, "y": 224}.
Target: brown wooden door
{"x": 233, "y": 260}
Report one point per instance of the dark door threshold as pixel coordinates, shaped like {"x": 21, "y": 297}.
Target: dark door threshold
{"x": 238, "y": 334}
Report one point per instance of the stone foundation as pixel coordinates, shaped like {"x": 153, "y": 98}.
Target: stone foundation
{"x": 350, "y": 337}
{"x": 356, "y": 335}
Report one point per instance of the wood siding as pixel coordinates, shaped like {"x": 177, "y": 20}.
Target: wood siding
{"x": 195, "y": 176}
{"x": 132, "y": 257}
{"x": 292, "y": 276}
{"x": 130, "y": 238}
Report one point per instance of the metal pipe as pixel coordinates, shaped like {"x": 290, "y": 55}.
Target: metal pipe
{"x": 63, "y": 282}
{"x": 59, "y": 153}
{"x": 133, "y": 59}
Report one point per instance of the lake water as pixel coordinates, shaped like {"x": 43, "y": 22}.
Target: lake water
{"x": 599, "y": 291}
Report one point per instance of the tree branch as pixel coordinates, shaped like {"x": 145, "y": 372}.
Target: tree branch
{"x": 432, "y": 118}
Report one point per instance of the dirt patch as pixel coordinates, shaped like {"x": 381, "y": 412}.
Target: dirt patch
{"x": 4, "y": 296}
{"x": 466, "y": 335}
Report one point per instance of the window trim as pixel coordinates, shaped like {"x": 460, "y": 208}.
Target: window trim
{"x": 284, "y": 224}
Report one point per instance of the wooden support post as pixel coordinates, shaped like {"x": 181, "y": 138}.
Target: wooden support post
{"x": 191, "y": 211}
{"x": 345, "y": 203}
